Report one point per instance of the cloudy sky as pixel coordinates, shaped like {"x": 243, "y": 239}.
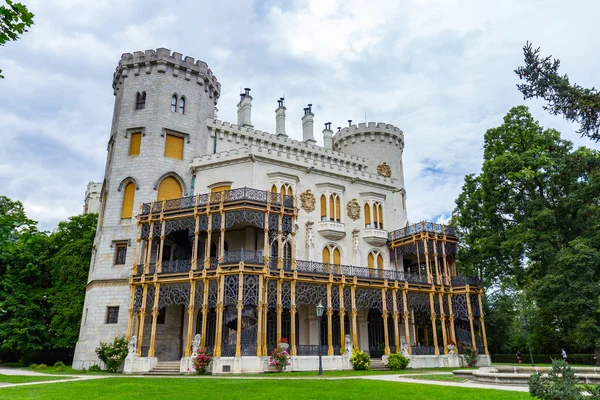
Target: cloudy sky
{"x": 442, "y": 71}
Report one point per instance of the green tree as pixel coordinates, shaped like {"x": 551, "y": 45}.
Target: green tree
{"x": 71, "y": 249}
{"x": 573, "y": 102}
{"x": 15, "y": 18}
{"x": 529, "y": 223}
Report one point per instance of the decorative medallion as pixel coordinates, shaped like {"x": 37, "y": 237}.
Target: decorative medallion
{"x": 353, "y": 209}
{"x": 384, "y": 170}
{"x": 307, "y": 200}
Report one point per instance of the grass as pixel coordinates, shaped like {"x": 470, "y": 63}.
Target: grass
{"x": 23, "y": 379}
{"x": 248, "y": 389}
{"x": 439, "y": 377}
{"x": 333, "y": 374}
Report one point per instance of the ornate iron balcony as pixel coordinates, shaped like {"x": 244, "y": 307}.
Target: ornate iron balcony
{"x": 431, "y": 227}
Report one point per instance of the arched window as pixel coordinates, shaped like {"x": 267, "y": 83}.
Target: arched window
{"x": 290, "y": 191}
{"x": 367, "y": 215}
{"x": 168, "y": 189}
{"x": 323, "y": 208}
{"x": 140, "y": 101}
{"x": 338, "y": 209}
{"x": 273, "y": 189}
{"x": 182, "y": 105}
{"x": 174, "y": 103}
{"x": 379, "y": 261}
{"x": 332, "y": 255}
{"x": 371, "y": 261}
{"x": 128, "y": 195}
{"x": 380, "y": 212}
{"x": 375, "y": 263}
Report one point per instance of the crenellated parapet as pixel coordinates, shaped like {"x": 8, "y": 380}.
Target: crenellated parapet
{"x": 162, "y": 61}
{"x": 372, "y": 131}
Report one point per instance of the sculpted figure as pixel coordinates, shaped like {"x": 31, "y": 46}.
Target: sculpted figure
{"x": 353, "y": 209}
{"x": 307, "y": 201}
{"x": 132, "y": 346}
{"x": 384, "y": 170}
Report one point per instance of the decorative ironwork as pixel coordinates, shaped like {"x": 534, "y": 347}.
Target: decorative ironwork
{"x": 150, "y": 298}
{"x": 272, "y": 294}
{"x": 256, "y": 218}
{"x": 422, "y": 227}
{"x": 286, "y": 294}
{"x": 347, "y": 298}
{"x": 242, "y": 255}
{"x": 368, "y": 298}
{"x": 213, "y": 293}
{"x": 459, "y": 306}
{"x": 216, "y": 221}
{"x": 465, "y": 280}
{"x": 179, "y": 224}
{"x": 418, "y": 302}
{"x": 310, "y": 349}
{"x": 474, "y": 305}
{"x": 176, "y": 266}
{"x": 389, "y": 301}
{"x": 174, "y": 294}
{"x": 199, "y": 294}
{"x": 156, "y": 230}
{"x": 310, "y": 294}
{"x": 203, "y": 223}
{"x": 251, "y": 290}
{"x": 335, "y": 298}
{"x": 231, "y": 290}
{"x": 137, "y": 298}
{"x": 399, "y": 302}
{"x": 423, "y": 350}
{"x": 274, "y": 222}
{"x": 286, "y": 224}
{"x": 145, "y": 231}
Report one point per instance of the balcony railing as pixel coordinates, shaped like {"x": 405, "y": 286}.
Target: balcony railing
{"x": 310, "y": 267}
{"x": 431, "y": 227}
{"x": 226, "y": 196}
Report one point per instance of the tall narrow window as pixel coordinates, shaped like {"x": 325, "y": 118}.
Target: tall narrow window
{"x": 128, "y": 195}
{"x": 135, "y": 143}
{"x": 367, "y": 215}
{"x": 274, "y": 189}
{"x": 112, "y": 315}
{"x": 120, "y": 253}
{"x": 290, "y": 192}
{"x": 140, "y": 101}
{"x": 371, "y": 261}
{"x": 181, "y": 105}
{"x": 168, "y": 189}
{"x": 174, "y": 103}
{"x": 174, "y": 147}
{"x": 326, "y": 255}
{"x": 379, "y": 261}
{"x": 338, "y": 209}
{"x": 323, "y": 208}
{"x": 337, "y": 256}
{"x": 331, "y": 208}
{"x": 380, "y": 212}
{"x": 220, "y": 193}
{"x": 375, "y": 216}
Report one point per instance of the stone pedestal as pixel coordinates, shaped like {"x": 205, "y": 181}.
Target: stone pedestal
{"x": 137, "y": 365}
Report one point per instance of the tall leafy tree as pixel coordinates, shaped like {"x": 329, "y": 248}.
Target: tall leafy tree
{"x": 530, "y": 221}
{"x": 15, "y": 18}
{"x": 575, "y": 103}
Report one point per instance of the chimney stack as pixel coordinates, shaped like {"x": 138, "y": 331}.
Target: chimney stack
{"x": 245, "y": 109}
{"x": 328, "y": 136}
{"x": 307, "y": 126}
{"x": 280, "y": 119}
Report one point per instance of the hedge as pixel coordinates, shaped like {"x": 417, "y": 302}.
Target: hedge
{"x": 584, "y": 359}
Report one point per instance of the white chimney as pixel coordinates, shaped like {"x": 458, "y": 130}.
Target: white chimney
{"x": 328, "y": 136}
{"x": 245, "y": 109}
{"x": 307, "y": 125}
{"x": 280, "y": 119}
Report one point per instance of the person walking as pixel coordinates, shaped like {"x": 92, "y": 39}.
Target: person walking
{"x": 564, "y": 356}
{"x": 519, "y": 357}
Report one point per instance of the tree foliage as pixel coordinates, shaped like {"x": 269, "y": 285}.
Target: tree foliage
{"x": 529, "y": 224}
{"x": 15, "y": 18}
{"x": 573, "y": 102}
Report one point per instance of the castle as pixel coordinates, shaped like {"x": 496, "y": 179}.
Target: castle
{"x": 222, "y": 236}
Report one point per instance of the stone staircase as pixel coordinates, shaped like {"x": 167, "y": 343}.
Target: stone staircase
{"x": 165, "y": 368}
{"x": 378, "y": 365}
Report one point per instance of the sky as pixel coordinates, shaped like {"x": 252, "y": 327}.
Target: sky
{"x": 442, "y": 71}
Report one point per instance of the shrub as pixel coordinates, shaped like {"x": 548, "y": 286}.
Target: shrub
{"x": 397, "y": 362}
{"x": 471, "y": 356}
{"x": 41, "y": 366}
{"x": 560, "y": 384}
{"x": 279, "y": 359}
{"x": 60, "y": 369}
{"x": 33, "y": 366}
{"x": 83, "y": 371}
{"x": 201, "y": 361}
{"x": 94, "y": 368}
{"x": 113, "y": 354}
{"x": 59, "y": 364}
{"x": 360, "y": 360}
{"x": 584, "y": 359}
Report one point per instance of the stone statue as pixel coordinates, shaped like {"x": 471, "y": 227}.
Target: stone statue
{"x": 347, "y": 344}
{"x": 310, "y": 236}
{"x": 132, "y": 347}
{"x": 384, "y": 170}
{"x": 403, "y": 346}
{"x": 355, "y": 240}
{"x": 307, "y": 201}
{"x": 353, "y": 209}
{"x": 196, "y": 343}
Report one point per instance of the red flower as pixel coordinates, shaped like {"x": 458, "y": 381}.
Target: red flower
{"x": 283, "y": 340}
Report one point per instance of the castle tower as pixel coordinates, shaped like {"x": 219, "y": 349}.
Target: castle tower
{"x": 162, "y": 102}
{"x": 382, "y": 146}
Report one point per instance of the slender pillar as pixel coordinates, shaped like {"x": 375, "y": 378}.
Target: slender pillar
{"x": 240, "y": 308}
{"x": 437, "y": 267}
{"x": 142, "y": 320}
{"x": 443, "y": 322}
{"x": 354, "y": 314}
{"x": 452, "y": 332}
{"x": 207, "y": 244}
{"x": 149, "y": 250}
{"x": 195, "y": 245}
{"x": 342, "y": 314}
{"x": 293, "y": 249}
{"x": 293, "y": 319}
{"x": 222, "y": 240}
{"x": 406, "y": 322}
{"x": 160, "y": 247}
{"x": 468, "y": 296}
{"x": 329, "y": 322}
{"x": 130, "y": 310}
{"x": 204, "y": 312}
{"x": 429, "y": 279}
{"x": 395, "y": 316}
{"x": 261, "y": 305}
{"x": 386, "y": 337}
{"x": 136, "y": 256}
{"x": 154, "y": 318}
{"x": 279, "y": 241}
{"x": 279, "y": 310}
{"x": 219, "y": 327}
{"x": 266, "y": 244}
{"x": 433, "y": 325}
{"x": 482, "y": 323}
{"x": 191, "y": 308}
{"x": 446, "y": 270}
{"x": 265, "y": 312}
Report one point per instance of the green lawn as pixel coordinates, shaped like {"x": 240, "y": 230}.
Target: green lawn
{"x": 22, "y": 379}
{"x": 352, "y": 373}
{"x": 173, "y": 389}
{"x": 439, "y": 377}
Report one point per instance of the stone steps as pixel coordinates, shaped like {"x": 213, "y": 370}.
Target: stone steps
{"x": 165, "y": 368}
{"x": 378, "y": 365}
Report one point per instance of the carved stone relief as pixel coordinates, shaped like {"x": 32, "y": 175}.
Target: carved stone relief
{"x": 384, "y": 170}
{"x": 307, "y": 201}
{"x": 353, "y": 209}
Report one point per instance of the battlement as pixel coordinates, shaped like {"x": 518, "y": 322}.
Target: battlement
{"x": 143, "y": 61}
{"x": 368, "y": 129}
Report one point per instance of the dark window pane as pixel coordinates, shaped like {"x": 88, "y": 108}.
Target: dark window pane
{"x": 121, "y": 254}
{"x": 112, "y": 315}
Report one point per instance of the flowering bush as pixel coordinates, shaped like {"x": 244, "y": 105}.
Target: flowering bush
{"x": 397, "y": 362}
{"x": 283, "y": 340}
{"x": 279, "y": 359}
{"x": 471, "y": 356}
{"x": 202, "y": 361}
{"x": 113, "y": 354}
{"x": 360, "y": 360}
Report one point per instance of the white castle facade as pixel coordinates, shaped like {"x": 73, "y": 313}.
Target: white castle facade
{"x": 234, "y": 234}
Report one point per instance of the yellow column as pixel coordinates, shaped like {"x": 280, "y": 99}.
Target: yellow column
{"x": 154, "y": 317}
{"x": 293, "y": 318}
{"x": 329, "y": 322}
{"x": 354, "y": 314}
{"x": 261, "y": 304}
{"x": 279, "y": 242}
{"x": 293, "y": 249}
{"x": 452, "y": 332}
{"x": 222, "y": 243}
{"x": 433, "y": 325}
{"x": 443, "y": 322}
{"x": 130, "y": 310}
{"x": 279, "y": 310}
{"x": 342, "y": 314}
{"x": 207, "y": 244}
{"x": 468, "y": 296}
{"x": 191, "y": 309}
{"x": 142, "y": 320}
{"x": 160, "y": 247}
{"x": 386, "y": 337}
{"x": 240, "y": 308}
{"x": 426, "y": 249}
{"x": 395, "y": 316}
{"x": 219, "y": 328}
{"x": 482, "y": 323}
{"x": 195, "y": 246}
{"x": 437, "y": 267}
{"x": 149, "y": 249}
{"x": 406, "y": 314}
{"x": 204, "y": 312}
{"x": 446, "y": 270}
{"x": 136, "y": 256}
{"x": 265, "y": 312}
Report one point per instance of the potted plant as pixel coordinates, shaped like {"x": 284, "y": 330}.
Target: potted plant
{"x": 283, "y": 344}
{"x": 451, "y": 346}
